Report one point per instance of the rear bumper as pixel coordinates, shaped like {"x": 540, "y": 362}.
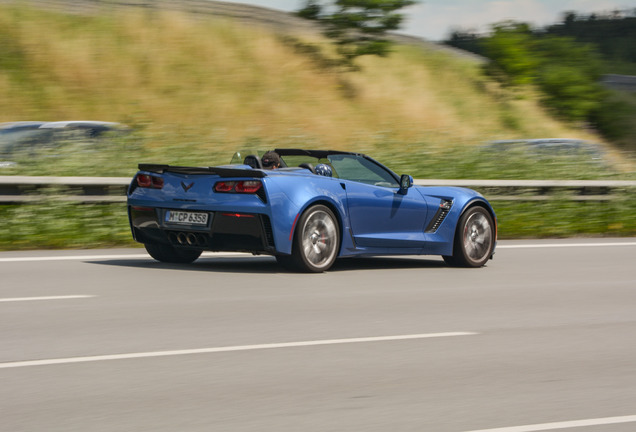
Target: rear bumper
{"x": 225, "y": 231}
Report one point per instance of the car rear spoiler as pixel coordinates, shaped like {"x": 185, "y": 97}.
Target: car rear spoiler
{"x": 222, "y": 172}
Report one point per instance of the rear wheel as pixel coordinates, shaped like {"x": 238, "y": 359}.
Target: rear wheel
{"x": 316, "y": 241}
{"x": 474, "y": 239}
{"x": 169, "y": 254}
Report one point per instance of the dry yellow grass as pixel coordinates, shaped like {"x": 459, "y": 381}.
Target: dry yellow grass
{"x": 218, "y": 84}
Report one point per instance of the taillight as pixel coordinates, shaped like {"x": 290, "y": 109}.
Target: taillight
{"x": 149, "y": 181}
{"x": 144, "y": 180}
{"x": 224, "y": 186}
{"x": 241, "y": 186}
{"x": 250, "y": 187}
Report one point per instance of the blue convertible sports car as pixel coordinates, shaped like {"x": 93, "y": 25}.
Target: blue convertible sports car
{"x": 315, "y": 207}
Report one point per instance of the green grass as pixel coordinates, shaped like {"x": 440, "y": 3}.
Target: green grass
{"x": 118, "y": 156}
{"x": 547, "y": 219}
{"x": 56, "y": 225}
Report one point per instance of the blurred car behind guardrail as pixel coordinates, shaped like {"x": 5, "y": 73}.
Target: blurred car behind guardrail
{"x": 30, "y": 137}
{"x": 550, "y": 147}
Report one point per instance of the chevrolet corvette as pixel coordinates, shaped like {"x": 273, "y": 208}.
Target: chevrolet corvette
{"x": 315, "y": 207}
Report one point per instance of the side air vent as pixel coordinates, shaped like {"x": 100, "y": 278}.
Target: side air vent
{"x": 440, "y": 215}
{"x": 267, "y": 229}
{"x": 262, "y": 195}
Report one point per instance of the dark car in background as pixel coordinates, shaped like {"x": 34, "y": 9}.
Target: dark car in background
{"x": 542, "y": 147}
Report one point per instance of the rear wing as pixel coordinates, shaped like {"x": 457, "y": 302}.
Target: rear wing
{"x": 222, "y": 172}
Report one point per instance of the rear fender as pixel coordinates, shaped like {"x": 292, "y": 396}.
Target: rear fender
{"x": 300, "y": 195}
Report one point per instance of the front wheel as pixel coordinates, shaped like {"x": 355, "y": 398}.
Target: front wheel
{"x": 169, "y": 254}
{"x": 316, "y": 241}
{"x": 474, "y": 239}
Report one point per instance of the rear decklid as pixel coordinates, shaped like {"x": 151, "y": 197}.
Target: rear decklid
{"x": 220, "y": 171}
{"x": 198, "y": 187}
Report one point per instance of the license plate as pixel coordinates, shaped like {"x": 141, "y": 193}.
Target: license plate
{"x": 187, "y": 218}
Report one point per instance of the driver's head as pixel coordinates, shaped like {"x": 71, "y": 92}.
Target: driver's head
{"x": 271, "y": 160}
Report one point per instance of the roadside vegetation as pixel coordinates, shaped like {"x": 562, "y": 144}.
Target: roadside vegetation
{"x": 57, "y": 225}
{"x": 194, "y": 90}
{"x": 216, "y": 85}
{"x": 565, "y": 63}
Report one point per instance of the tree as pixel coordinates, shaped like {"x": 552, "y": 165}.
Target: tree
{"x": 614, "y": 118}
{"x": 566, "y": 71}
{"x": 510, "y": 47}
{"x": 565, "y": 62}
{"x": 357, "y": 27}
{"x": 569, "y": 74}
{"x": 467, "y": 40}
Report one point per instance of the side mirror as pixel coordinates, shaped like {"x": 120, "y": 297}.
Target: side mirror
{"x": 406, "y": 181}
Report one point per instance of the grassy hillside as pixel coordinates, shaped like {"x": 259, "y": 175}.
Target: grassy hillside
{"x": 199, "y": 87}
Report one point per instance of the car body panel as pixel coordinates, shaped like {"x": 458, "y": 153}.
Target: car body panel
{"x": 398, "y": 219}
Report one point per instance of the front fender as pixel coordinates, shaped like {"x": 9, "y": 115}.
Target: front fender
{"x": 441, "y": 242}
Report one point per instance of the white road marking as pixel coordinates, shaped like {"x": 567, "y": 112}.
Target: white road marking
{"x": 563, "y": 425}
{"x": 72, "y": 258}
{"x": 240, "y": 254}
{"x": 67, "y": 297}
{"x": 47, "y": 362}
{"x": 564, "y": 245}
{"x": 111, "y": 257}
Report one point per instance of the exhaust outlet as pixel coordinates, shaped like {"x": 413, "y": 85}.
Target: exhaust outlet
{"x": 182, "y": 238}
{"x": 191, "y": 239}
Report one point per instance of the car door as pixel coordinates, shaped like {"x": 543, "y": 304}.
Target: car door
{"x": 385, "y": 218}
{"x": 381, "y": 214}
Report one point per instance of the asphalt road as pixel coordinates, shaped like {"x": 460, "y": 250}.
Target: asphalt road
{"x": 543, "y": 338}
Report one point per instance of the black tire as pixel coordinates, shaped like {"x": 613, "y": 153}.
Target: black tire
{"x": 169, "y": 254}
{"x": 474, "y": 239}
{"x": 316, "y": 241}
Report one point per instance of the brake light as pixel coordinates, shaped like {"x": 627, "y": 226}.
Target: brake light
{"x": 224, "y": 186}
{"x": 238, "y": 215}
{"x": 241, "y": 186}
{"x": 149, "y": 181}
{"x": 251, "y": 186}
{"x": 143, "y": 180}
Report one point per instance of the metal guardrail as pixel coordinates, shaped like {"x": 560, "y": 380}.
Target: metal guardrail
{"x": 26, "y": 189}
{"x": 542, "y": 190}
